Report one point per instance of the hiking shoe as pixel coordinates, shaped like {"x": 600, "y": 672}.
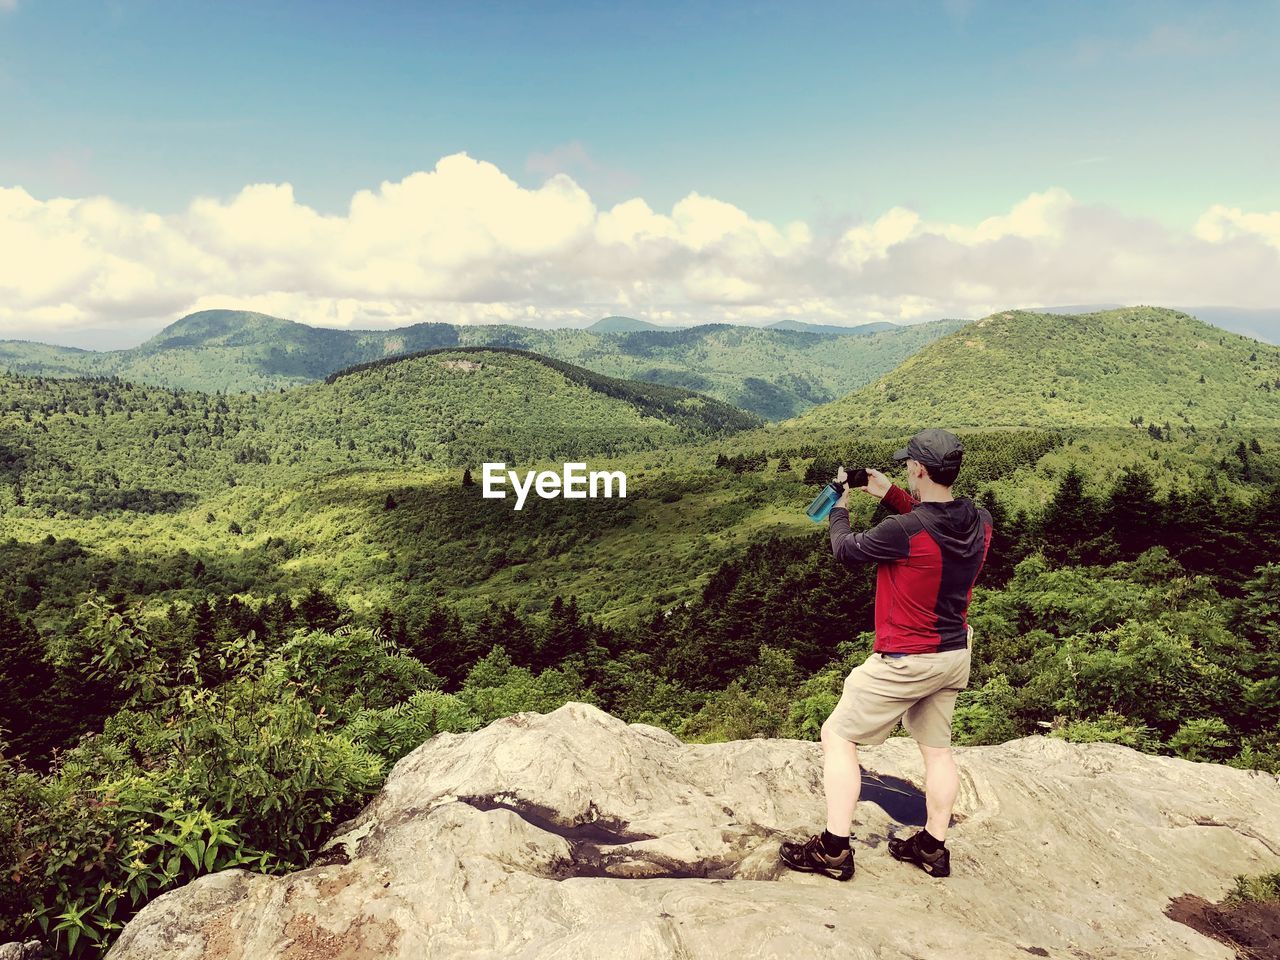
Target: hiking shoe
{"x": 809, "y": 857}
{"x": 936, "y": 864}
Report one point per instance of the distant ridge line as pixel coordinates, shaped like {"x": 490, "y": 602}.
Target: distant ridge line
{"x": 654, "y": 396}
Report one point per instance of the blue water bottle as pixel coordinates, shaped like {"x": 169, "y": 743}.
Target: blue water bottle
{"x": 824, "y": 501}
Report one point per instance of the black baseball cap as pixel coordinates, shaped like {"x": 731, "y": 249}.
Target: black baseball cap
{"x": 934, "y": 448}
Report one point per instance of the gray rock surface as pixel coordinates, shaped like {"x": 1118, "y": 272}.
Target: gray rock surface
{"x": 575, "y": 835}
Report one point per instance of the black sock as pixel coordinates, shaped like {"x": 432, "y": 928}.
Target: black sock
{"x": 833, "y": 844}
{"x": 928, "y": 842}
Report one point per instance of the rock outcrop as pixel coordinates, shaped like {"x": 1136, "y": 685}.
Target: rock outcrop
{"x": 575, "y": 835}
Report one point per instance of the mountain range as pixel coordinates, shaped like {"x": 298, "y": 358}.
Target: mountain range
{"x": 87, "y": 444}
{"x": 774, "y": 373}
{"x": 630, "y": 325}
{"x": 319, "y": 460}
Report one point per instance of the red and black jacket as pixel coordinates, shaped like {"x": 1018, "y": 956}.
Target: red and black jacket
{"x": 930, "y": 555}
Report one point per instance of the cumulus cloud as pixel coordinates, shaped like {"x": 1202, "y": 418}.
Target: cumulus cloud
{"x": 1219, "y": 223}
{"x": 873, "y": 241}
{"x": 465, "y": 243}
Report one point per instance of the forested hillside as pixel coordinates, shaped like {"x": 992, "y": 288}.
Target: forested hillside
{"x": 86, "y": 446}
{"x": 1158, "y": 369}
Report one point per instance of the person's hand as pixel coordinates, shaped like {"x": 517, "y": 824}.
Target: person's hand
{"x": 877, "y": 483}
{"x": 842, "y": 477}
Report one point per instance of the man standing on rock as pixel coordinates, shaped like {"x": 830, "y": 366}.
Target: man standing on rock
{"x": 929, "y": 554}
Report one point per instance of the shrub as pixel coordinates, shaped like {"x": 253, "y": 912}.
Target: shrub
{"x": 1204, "y": 738}
{"x": 1110, "y": 727}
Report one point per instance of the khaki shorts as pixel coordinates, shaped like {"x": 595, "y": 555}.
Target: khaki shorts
{"x": 919, "y": 689}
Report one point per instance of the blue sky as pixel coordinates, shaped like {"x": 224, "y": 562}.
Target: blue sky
{"x": 785, "y": 109}
{"x": 713, "y": 161}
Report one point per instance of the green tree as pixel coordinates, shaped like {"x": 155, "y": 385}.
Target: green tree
{"x": 1070, "y": 528}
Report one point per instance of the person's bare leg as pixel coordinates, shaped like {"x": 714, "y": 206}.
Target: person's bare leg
{"x": 841, "y": 779}
{"x": 941, "y": 784}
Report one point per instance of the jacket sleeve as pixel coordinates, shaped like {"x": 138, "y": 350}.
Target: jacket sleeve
{"x": 899, "y": 500}
{"x": 887, "y": 540}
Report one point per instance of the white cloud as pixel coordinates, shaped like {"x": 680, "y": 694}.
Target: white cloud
{"x": 872, "y": 241}
{"x": 699, "y": 223}
{"x": 1039, "y": 215}
{"x": 632, "y": 222}
{"x": 465, "y": 243}
{"x": 1220, "y": 223}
